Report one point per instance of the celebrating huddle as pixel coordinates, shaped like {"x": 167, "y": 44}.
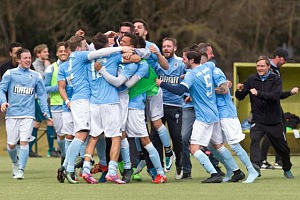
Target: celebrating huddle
{"x": 103, "y": 94}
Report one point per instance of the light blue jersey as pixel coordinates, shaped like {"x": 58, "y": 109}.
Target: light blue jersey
{"x": 138, "y": 102}
{"x": 126, "y": 70}
{"x": 225, "y": 104}
{"x": 103, "y": 92}
{"x": 152, "y": 60}
{"x": 172, "y": 77}
{"x": 200, "y": 83}
{"x": 78, "y": 64}
{"x": 64, "y": 75}
{"x": 142, "y": 70}
{"x": 22, "y": 85}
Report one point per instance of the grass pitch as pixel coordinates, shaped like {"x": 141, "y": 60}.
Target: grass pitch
{"x": 40, "y": 183}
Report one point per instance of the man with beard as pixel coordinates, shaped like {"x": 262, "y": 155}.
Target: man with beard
{"x": 172, "y": 103}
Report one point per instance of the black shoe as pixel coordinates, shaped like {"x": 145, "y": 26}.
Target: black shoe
{"x": 215, "y": 178}
{"x": 237, "y": 177}
{"x": 257, "y": 168}
{"x": 34, "y": 155}
{"x": 219, "y": 171}
{"x": 61, "y": 174}
{"x": 186, "y": 176}
{"x": 127, "y": 175}
{"x": 54, "y": 154}
{"x": 79, "y": 164}
{"x": 62, "y": 159}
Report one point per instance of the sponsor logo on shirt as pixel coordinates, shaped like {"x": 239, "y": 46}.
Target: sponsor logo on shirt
{"x": 23, "y": 90}
{"x": 169, "y": 79}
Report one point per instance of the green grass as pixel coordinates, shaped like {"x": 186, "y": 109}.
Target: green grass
{"x": 40, "y": 183}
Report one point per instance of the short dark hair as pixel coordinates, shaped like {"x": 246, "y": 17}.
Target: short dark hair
{"x": 202, "y": 47}
{"x": 141, "y": 21}
{"x": 100, "y": 40}
{"x": 141, "y": 43}
{"x": 61, "y": 44}
{"x": 74, "y": 42}
{"x": 194, "y": 55}
{"x": 134, "y": 40}
{"x": 263, "y": 58}
{"x": 127, "y": 24}
{"x": 20, "y": 51}
{"x": 14, "y": 45}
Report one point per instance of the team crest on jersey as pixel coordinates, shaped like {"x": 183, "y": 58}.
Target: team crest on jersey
{"x": 175, "y": 65}
{"x": 30, "y": 76}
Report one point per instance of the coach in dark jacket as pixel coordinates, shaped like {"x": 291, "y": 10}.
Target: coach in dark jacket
{"x": 265, "y": 89}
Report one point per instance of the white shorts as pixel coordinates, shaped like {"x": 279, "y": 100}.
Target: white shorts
{"x": 18, "y": 129}
{"x": 124, "y": 101}
{"x": 81, "y": 114}
{"x": 154, "y": 106}
{"x": 105, "y": 118}
{"x": 58, "y": 122}
{"x": 136, "y": 125}
{"x": 203, "y": 133}
{"x": 68, "y": 124}
{"x": 232, "y": 131}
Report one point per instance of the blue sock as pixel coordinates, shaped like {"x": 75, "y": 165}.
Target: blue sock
{"x": 23, "y": 156}
{"x": 138, "y": 144}
{"x": 216, "y": 154}
{"x": 100, "y": 147}
{"x": 164, "y": 136}
{"x": 86, "y": 169}
{"x": 154, "y": 157}
{"x": 204, "y": 161}
{"x": 61, "y": 145}
{"x": 125, "y": 153}
{"x": 112, "y": 168}
{"x": 225, "y": 153}
{"x": 82, "y": 149}
{"x": 243, "y": 156}
{"x": 13, "y": 154}
{"x": 50, "y": 137}
{"x": 34, "y": 133}
{"x": 67, "y": 144}
{"x": 72, "y": 153}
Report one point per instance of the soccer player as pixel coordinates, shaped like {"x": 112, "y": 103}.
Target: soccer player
{"x": 104, "y": 99}
{"x": 199, "y": 83}
{"x": 55, "y": 98}
{"x": 172, "y": 104}
{"x": 79, "y": 61}
{"x": 22, "y": 84}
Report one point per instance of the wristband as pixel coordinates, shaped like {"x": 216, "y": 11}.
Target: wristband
{"x": 67, "y": 101}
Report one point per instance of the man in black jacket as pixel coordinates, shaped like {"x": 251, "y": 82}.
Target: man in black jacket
{"x": 265, "y": 89}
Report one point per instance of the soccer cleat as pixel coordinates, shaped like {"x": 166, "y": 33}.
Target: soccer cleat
{"x": 102, "y": 178}
{"x": 140, "y": 167}
{"x": 114, "y": 179}
{"x": 15, "y": 168}
{"x": 71, "y": 177}
{"x": 137, "y": 177}
{"x": 152, "y": 173}
{"x": 266, "y": 165}
{"x": 178, "y": 173}
{"x": 54, "y": 154}
{"x": 34, "y": 155}
{"x": 79, "y": 164}
{"x": 169, "y": 161}
{"x": 257, "y": 168}
{"x": 62, "y": 159}
{"x": 214, "y": 178}
{"x": 278, "y": 165}
{"x": 219, "y": 171}
{"x": 20, "y": 174}
{"x": 288, "y": 174}
{"x": 89, "y": 178}
{"x": 127, "y": 175}
{"x": 160, "y": 179}
{"x": 186, "y": 176}
{"x": 61, "y": 173}
{"x": 237, "y": 177}
{"x": 98, "y": 168}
